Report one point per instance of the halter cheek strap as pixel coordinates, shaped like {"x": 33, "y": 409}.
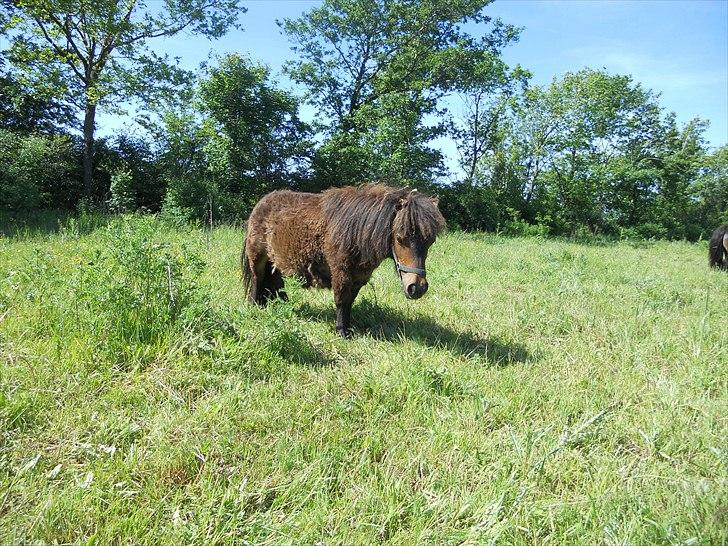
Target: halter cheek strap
{"x": 405, "y": 268}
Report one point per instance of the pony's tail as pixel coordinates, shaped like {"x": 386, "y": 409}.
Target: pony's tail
{"x": 715, "y": 248}
{"x": 245, "y": 270}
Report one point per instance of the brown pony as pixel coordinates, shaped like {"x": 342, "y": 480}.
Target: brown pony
{"x": 718, "y": 248}
{"x": 336, "y": 239}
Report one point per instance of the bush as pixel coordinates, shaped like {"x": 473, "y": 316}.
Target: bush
{"x": 122, "y": 193}
{"x": 470, "y": 207}
{"x": 519, "y": 227}
{"x": 188, "y": 200}
{"x": 136, "y": 285}
{"x": 31, "y": 169}
{"x": 202, "y": 201}
{"x": 643, "y": 232}
{"x": 132, "y": 297}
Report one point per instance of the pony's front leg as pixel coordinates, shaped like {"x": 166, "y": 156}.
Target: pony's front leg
{"x": 343, "y": 315}
{"x": 344, "y": 295}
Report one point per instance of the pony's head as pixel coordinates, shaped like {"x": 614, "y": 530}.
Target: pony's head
{"x": 417, "y": 222}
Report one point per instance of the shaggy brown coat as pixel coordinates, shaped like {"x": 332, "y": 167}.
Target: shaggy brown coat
{"x": 336, "y": 239}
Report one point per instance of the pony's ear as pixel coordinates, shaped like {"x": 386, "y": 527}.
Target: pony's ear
{"x": 435, "y": 199}
{"x": 400, "y": 204}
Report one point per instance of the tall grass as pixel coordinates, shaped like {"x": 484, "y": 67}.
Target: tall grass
{"x": 543, "y": 391}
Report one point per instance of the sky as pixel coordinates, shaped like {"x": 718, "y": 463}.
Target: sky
{"x": 676, "y": 48}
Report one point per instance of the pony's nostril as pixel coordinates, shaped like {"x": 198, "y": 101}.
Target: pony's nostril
{"x": 424, "y": 288}
{"x": 411, "y": 290}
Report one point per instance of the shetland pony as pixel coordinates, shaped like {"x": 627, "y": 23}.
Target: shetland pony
{"x": 336, "y": 239}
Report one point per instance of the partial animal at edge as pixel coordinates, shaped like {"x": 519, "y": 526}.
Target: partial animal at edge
{"x": 718, "y": 248}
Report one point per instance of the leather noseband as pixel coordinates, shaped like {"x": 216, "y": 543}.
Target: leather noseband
{"x": 405, "y": 268}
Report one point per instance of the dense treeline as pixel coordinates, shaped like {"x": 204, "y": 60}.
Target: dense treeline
{"x": 592, "y": 152}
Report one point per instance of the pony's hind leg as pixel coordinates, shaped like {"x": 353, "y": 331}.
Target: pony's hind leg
{"x": 268, "y": 283}
{"x": 274, "y": 283}
{"x": 258, "y": 267}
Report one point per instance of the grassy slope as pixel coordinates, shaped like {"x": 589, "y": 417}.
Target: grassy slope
{"x": 541, "y": 391}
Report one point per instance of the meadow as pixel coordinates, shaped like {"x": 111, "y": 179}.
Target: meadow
{"x": 543, "y": 391}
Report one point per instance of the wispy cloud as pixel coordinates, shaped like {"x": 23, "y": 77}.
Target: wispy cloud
{"x": 659, "y": 74}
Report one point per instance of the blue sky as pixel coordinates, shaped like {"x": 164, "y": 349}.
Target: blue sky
{"x": 677, "y": 48}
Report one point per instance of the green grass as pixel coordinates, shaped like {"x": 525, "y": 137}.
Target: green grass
{"x": 542, "y": 391}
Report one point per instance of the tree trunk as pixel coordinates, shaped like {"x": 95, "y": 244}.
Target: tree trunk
{"x": 88, "y": 149}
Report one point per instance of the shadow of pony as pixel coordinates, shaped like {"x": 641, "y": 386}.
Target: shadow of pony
{"x": 388, "y": 324}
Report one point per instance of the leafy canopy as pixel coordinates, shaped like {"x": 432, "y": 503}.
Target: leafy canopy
{"x": 96, "y": 52}
{"x": 376, "y": 69}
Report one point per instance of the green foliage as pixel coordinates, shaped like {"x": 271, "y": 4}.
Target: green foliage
{"x": 129, "y": 291}
{"x": 21, "y": 110}
{"x": 469, "y": 207}
{"x": 136, "y": 157}
{"x": 256, "y": 143}
{"x": 32, "y": 167}
{"x": 44, "y": 171}
{"x": 376, "y": 69}
{"x": 644, "y": 231}
{"x": 48, "y": 45}
{"x": 711, "y": 191}
{"x": 189, "y": 199}
{"x": 590, "y": 152}
{"x": 122, "y": 194}
{"x": 136, "y": 285}
{"x": 675, "y": 206}
{"x": 92, "y": 54}
{"x": 516, "y": 226}
{"x": 240, "y": 139}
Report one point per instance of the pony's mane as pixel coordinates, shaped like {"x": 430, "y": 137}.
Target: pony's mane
{"x": 363, "y": 219}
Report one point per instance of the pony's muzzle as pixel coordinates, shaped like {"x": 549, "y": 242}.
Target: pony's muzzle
{"x": 416, "y": 289}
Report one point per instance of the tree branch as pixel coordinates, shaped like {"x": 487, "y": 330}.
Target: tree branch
{"x": 341, "y": 54}
{"x": 61, "y": 53}
{"x": 65, "y": 28}
{"x": 168, "y": 30}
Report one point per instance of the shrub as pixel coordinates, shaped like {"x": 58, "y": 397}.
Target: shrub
{"x": 122, "y": 192}
{"x": 31, "y": 167}
{"x": 136, "y": 285}
{"x": 643, "y": 232}
{"x": 470, "y": 207}
{"x": 188, "y": 200}
{"x": 519, "y": 227}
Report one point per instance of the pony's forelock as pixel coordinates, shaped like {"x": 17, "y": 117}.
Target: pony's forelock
{"x": 419, "y": 217}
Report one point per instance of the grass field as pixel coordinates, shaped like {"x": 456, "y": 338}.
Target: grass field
{"x": 542, "y": 391}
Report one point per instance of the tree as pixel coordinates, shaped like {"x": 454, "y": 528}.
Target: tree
{"x": 32, "y": 166}
{"x": 710, "y": 191}
{"x": 239, "y": 138}
{"x": 23, "y": 111}
{"x": 581, "y": 152}
{"x": 683, "y": 154}
{"x": 487, "y": 99}
{"x": 254, "y": 127}
{"x": 376, "y": 69}
{"x": 94, "y": 52}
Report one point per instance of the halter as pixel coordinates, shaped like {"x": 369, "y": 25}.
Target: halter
{"x": 405, "y": 268}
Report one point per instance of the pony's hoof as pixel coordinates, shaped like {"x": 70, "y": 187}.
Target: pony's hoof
{"x": 344, "y": 332}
